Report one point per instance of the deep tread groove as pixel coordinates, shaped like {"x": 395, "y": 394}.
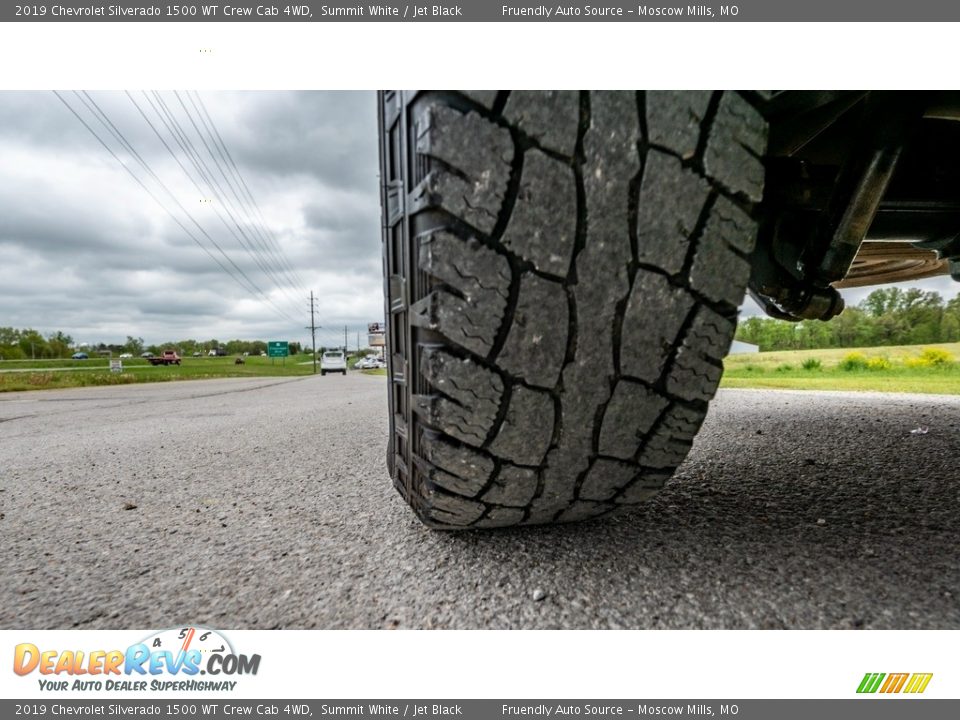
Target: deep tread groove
{"x": 500, "y": 103}
{"x": 705, "y": 126}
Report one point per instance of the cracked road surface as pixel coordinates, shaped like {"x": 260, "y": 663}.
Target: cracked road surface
{"x": 265, "y": 503}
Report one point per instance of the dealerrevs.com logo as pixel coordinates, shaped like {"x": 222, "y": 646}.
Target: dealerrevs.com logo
{"x": 168, "y": 660}
{"x": 887, "y": 683}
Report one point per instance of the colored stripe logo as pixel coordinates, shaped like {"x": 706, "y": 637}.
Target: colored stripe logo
{"x": 913, "y": 683}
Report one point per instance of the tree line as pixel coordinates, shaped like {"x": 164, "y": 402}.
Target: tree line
{"x": 30, "y": 344}
{"x": 25, "y": 344}
{"x": 887, "y": 316}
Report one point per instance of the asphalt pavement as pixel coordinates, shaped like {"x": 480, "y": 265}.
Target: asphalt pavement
{"x": 265, "y": 503}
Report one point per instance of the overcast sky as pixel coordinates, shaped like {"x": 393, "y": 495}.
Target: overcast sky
{"x": 86, "y": 250}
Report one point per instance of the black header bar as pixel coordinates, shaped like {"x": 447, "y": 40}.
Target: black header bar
{"x": 484, "y": 11}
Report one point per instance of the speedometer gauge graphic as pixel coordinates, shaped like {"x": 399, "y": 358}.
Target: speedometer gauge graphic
{"x": 183, "y": 639}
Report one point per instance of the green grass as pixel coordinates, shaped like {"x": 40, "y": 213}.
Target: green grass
{"x": 884, "y": 369}
{"x": 48, "y": 374}
{"x": 880, "y": 369}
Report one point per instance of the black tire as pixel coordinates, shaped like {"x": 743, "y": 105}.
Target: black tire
{"x": 563, "y": 271}
{"x": 322, "y": 373}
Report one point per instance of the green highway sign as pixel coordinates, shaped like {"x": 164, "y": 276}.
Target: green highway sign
{"x": 278, "y": 348}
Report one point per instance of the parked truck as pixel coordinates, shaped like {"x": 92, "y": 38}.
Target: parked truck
{"x": 168, "y": 357}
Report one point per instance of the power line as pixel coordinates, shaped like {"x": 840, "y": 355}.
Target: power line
{"x": 105, "y": 121}
{"x": 214, "y": 158}
{"x": 258, "y": 227}
{"x": 149, "y": 192}
{"x": 270, "y": 275}
{"x": 249, "y": 194}
{"x": 118, "y": 135}
{"x": 246, "y": 196}
{"x": 182, "y": 138}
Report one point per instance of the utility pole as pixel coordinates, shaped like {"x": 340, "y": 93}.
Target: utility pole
{"x": 344, "y": 339}
{"x": 313, "y": 334}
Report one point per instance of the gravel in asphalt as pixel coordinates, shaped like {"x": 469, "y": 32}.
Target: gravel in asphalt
{"x": 265, "y": 503}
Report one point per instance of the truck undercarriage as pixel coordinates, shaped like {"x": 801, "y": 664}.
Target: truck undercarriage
{"x": 862, "y": 189}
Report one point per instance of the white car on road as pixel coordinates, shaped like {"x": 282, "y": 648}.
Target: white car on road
{"x": 333, "y": 361}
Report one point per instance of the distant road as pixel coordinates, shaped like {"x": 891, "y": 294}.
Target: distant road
{"x": 265, "y": 502}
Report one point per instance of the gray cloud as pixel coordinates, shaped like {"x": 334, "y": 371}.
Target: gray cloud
{"x": 331, "y": 136}
{"x": 85, "y": 249}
